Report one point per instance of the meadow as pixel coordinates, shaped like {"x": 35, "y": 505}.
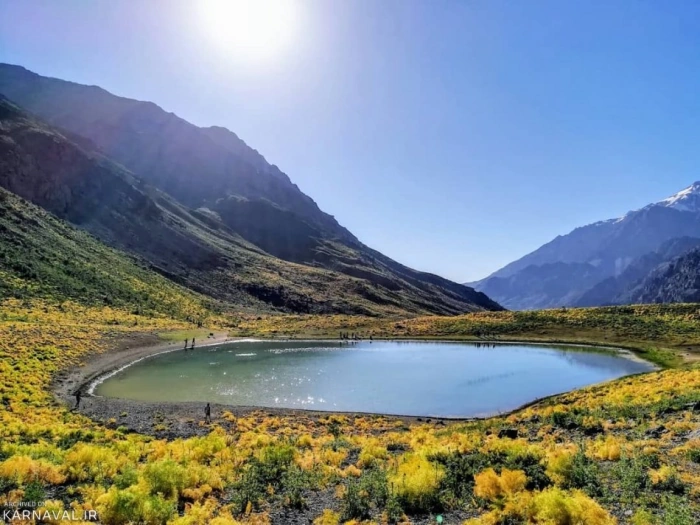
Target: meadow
{"x": 627, "y": 451}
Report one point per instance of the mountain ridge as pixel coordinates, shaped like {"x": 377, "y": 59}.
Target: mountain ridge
{"x": 610, "y": 246}
{"x": 268, "y": 222}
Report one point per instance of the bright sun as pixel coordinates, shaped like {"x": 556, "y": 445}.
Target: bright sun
{"x": 250, "y": 30}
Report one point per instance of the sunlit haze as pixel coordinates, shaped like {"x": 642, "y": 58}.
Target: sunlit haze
{"x": 250, "y": 31}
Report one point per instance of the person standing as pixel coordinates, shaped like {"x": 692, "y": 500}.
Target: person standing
{"x": 207, "y": 413}
{"x": 78, "y": 395}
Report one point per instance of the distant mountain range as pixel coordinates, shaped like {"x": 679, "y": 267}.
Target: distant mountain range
{"x": 196, "y": 205}
{"x": 645, "y": 256}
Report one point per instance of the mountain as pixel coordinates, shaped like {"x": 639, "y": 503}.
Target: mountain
{"x": 624, "y": 288}
{"x": 198, "y": 205}
{"x": 676, "y": 281}
{"x": 610, "y": 247}
{"x": 538, "y": 287}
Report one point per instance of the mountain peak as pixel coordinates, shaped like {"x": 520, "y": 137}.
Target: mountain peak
{"x": 685, "y": 200}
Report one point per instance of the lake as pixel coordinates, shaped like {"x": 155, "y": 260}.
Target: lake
{"x": 440, "y": 379}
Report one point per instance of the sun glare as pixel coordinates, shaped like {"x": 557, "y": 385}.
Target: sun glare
{"x": 250, "y": 30}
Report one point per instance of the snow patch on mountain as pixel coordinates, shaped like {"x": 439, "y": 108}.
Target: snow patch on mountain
{"x": 685, "y": 200}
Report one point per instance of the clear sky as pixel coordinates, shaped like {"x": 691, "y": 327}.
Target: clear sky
{"x": 454, "y": 136}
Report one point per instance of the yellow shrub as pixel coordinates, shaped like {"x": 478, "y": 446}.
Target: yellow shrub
{"x": 166, "y": 477}
{"x": 643, "y": 517}
{"x": 196, "y": 494}
{"x": 328, "y": 518}
{"x": 662, "y": 474}
{"x": 258, "y": 519}
{"x": 559, "y": 463}
{"x": 332, "y": 457}
{"x": 608, "y": 449}
{"x": 133, "y": 505}
{"x": 372, "y": 453}
{"x": 416, "y": 482}
{"x": 54, "y": 508}
{"x": 490, "y": 486}
{"x": 512, "y": 481}
{"x": 353, "y": 471}
{"x": 305, "y": 441}
{"x": 23, "y": 469}
{"x": 90, "y": 462}
{"x": 196, "y": 514}
{"x": 557, "y": 507}
{"x": 487, "y": 485}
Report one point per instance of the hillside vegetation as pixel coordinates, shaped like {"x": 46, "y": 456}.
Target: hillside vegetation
{"x": 624, "y": 452}
{"x": 43, "y": 257}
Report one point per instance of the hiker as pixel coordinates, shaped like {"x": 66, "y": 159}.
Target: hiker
{"x": 207, "y": 413}
{"x": 77, "y": 398}
{"x": 193, "y": 343}
{"x": 186, "y": 340}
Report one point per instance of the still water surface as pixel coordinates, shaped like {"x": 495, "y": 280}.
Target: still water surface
{"x": 409, "y": 378}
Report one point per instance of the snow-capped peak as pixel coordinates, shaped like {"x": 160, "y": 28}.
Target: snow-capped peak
{"x": 685, "y": 200}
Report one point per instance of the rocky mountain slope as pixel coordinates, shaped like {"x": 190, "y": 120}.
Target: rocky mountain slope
{"x": 254, "y": 239}
{"x": 676, "y": 281}
{"x": 624, "y": 288}
{"x": 608, "y": 248}
{"x": 545, "y": 286}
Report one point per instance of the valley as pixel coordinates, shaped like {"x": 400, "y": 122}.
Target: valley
{"x": 126, "y": 231}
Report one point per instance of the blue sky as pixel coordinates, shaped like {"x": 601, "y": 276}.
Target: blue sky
{"x": 454, "y": 136}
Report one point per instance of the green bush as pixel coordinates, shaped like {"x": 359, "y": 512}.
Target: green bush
{"x": 270, "y": 469}
{"x": 677, "y": 512}
{"x": 295, "y": 482}
{"x": 633, "y": 475}
{"x": 126, "y": 478}
{"x": 584, "y": 474}
{"x": 34, "y": 492}
{"x": 460, "y": 469}
{"x": 369, "y": 492}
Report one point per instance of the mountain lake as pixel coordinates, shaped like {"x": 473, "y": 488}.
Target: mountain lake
{"x": 417, "y": 378}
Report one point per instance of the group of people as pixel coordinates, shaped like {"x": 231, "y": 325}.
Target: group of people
{"x": 347, "y": 336}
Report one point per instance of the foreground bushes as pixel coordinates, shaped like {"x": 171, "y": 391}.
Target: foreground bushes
{"x": 621, "y": 451}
